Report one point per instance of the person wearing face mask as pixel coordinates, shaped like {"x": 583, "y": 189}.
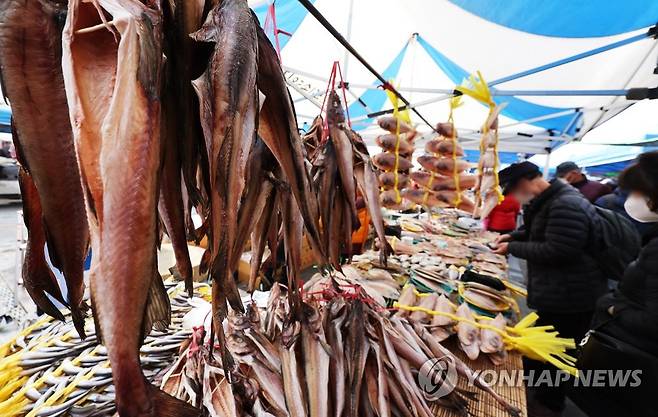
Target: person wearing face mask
{"x": 564, "y": 281}
{"x": 571, "y": 173}
{"x": 615, "y": 202}
{"x": 624, "y": 332}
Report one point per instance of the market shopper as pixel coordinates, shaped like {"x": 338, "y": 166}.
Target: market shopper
{"x": 5, "y": 149}
{"x": 564, "y": 281}
{"x": 502, "y": 218}
{"x": 571, "y": 173}
{"x": 625, "y": 324}
{"x": 616, "y": 202}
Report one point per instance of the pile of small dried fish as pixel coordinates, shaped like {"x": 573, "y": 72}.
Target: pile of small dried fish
{"x": 341, "y": 167}
{"x": 48, "y": 370}
{"x": 395, "y": 162}
{"x": 337, "y": 354}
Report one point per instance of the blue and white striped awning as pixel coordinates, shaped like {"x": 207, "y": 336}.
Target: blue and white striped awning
{"x": 561, "y": 65}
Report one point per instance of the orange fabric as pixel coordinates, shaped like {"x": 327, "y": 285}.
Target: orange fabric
{"x": 361, "y": 234}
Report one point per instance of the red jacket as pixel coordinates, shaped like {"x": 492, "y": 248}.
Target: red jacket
{"x": 503, "y": 216}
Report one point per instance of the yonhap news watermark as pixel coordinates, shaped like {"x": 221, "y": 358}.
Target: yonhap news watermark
{"x": 438, "y": 378}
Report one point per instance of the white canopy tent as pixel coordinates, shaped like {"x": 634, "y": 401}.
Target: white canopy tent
{"x": 610, "y": 146}
{"x": 427, "y": 48}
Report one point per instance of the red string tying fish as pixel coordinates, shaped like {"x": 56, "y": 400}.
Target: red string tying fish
{"x": 331, "y": 86}
{"x": 271, "y": 26}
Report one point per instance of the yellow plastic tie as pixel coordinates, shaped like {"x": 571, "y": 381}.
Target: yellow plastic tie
{"x": 454, "y": 103}
{"x": 479, "y": 90}
{"x": 539, "y": 343}
{"x": 396, "y": 115}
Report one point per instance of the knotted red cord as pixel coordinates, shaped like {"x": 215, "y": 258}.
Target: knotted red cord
{"x": 198, "y": 334}
{"x": 331, "y": 86}
{"x": 270, "y": 25}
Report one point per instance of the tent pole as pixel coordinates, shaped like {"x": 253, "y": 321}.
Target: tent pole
{"x": 564, "y": 113}
{"x": 305, "y": 94}
{"x": 576, "y": 117}
{"x": 574, "y": 57}
{"x": 346, "y": 59}
{"x": 559, "y": 92}
{"x": 547, "y": 165}
{"x": 410, "y": 106}
{"x": 371, "y": 86}
{"x": 332, "y": 30}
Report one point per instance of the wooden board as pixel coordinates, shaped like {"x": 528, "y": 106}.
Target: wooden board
{"x": 484, "y": 405}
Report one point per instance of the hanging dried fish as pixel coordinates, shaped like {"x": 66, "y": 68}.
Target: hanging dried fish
{"x": 31, "y": 75}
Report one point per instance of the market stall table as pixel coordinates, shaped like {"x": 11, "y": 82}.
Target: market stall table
{"x": 484, "y": 405}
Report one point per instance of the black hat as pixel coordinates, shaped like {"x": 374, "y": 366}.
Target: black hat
{"x": 566, "y": 167}
{"x": 510, "y": 176}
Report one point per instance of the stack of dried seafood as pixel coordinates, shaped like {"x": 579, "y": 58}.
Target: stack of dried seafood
{"x": 341, "y": 167}
{"x": 442, "y": 182}
{"x": 335, "y": 353}
{"x": 114, "y": 90}
{"x": 395, "y": 161}
{"x": 49, "y": 370}
{"x": 488, "y": 193}
{"x": 472, "y": 339}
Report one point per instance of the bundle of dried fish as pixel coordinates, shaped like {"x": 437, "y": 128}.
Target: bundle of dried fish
{"x": 395, "y": 161}
{"x": 341, "y": 167}
{"x": 442, "y": 182}
{"x": 340, "y": 356}
{"x": 487, "y": 192}
{"x": 379, "y": 284}
{"x": 436, "y": 312}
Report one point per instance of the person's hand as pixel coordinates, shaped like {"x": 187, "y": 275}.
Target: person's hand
{"x": 501, "y": 249}
{"x": 503, "y": 238}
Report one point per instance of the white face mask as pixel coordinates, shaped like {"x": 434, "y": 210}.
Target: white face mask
{"x": 636, "y": 206}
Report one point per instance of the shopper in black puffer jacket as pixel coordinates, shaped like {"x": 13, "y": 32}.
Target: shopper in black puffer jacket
{"x": 631, "y": 312}
{"x": 556, "y": 242}
{"x": 564, "y": 281}
{"x": 626, "y": 321}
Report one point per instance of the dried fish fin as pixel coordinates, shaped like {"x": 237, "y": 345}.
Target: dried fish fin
{"x": 164, "y": 405}
{"x": 38, "y": 278}
{"x": 157, "y": 314}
